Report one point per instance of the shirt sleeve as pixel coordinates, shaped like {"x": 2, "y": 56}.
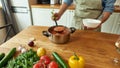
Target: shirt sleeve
{"x": 108, "y": 5}
{"x": 68, "y": 2}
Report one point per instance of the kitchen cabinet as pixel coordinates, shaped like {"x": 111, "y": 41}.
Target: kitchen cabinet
{"x": 42, "y": 17}
{"x": 112, "y": 25}
{"x": 70, "y": 17}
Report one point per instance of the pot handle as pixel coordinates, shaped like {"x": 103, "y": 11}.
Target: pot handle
{"x": 45, "y": 33}
{"x": 73, "y": 29}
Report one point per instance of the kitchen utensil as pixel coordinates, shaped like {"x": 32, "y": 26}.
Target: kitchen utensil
{"x": 62, "y": 36}
{"x": 91, "y": 22}
{"x": 56, "y": 22}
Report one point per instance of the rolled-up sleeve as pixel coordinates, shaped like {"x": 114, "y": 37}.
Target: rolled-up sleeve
{"x": 108, "y": 5}
{"x": 68, "y": 2}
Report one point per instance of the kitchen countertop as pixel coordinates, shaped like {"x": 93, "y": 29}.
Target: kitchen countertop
{"x": 97, "y": 48}
{"x": 57, "y": 6}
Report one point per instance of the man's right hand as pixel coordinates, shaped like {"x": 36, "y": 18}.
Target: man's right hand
{"x": 56, "y": 16}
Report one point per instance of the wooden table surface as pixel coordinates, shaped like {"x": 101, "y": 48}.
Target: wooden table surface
{"x": 97, "y": 48}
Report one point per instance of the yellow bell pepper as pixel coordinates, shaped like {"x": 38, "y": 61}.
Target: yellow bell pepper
{"x": 76, "y": 61}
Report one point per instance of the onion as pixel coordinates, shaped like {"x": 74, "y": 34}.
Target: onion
{"x": 31, "y": 43}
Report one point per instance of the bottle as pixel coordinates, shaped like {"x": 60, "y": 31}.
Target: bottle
{"x": 60, "y": 1}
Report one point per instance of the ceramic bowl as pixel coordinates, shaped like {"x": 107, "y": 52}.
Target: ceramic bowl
{"x": 91, "y": 22}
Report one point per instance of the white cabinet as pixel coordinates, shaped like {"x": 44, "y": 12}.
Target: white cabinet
{"x": 112, "y": 25}
{"x": 70, "y": 16}
{"x": 42, "y": 17}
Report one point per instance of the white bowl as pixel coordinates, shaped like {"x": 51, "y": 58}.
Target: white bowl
{"x": 91, "y": 22}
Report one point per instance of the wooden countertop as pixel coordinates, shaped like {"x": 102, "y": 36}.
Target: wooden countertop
{"x": 57, "y": 6}
{"x": 97, "y": 48}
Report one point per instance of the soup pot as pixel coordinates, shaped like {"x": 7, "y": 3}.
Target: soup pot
{"x": 59, "y": 34}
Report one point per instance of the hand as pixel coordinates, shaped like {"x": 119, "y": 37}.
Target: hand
{"x": 56, "y": 16}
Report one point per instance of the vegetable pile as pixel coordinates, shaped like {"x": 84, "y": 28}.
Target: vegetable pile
{"x": 38, "y": 59}
{"x": 24, "y": 60}
{"x": 45, "y": 61}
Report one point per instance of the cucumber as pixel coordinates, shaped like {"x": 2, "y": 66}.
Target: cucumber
{"x": 2, "y": 55}
{"x": 60, "y": 60}
{"x": 7, "y": 57}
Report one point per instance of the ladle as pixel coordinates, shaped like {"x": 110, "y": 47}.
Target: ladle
{"x": 56, "y": 23}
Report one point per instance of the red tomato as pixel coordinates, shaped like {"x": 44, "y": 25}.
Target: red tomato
{"x": 39, "y": 65}
{"x": 45, "y": 59}
{"x": 53, "y": 64}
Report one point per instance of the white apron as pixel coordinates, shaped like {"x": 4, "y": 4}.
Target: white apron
{"x": 86, "y": 9}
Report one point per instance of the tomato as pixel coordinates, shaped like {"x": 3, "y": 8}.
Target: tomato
{"x": 39, "y": 65}
{"x": 45, "y": 59}
{"x": 53, "y": 64}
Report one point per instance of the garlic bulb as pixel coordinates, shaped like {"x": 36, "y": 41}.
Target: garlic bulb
{"x": 23, "y": 50}
{"x": 19, "y": 48}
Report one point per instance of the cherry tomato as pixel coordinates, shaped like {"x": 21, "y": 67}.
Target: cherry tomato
{"x": 53, "y": 64}
{"x": 45, "y": 59}
{"x": 38, "y": 65}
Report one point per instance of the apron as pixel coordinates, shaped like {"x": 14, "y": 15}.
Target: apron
{"x": 86, "y": 9}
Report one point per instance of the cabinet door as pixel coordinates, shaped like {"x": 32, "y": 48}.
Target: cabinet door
{"x": 70, "y": 16}
{"x": 112, "y": 25}
{"x": 42, "y": 17}
{"x": 64, "y": 18}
